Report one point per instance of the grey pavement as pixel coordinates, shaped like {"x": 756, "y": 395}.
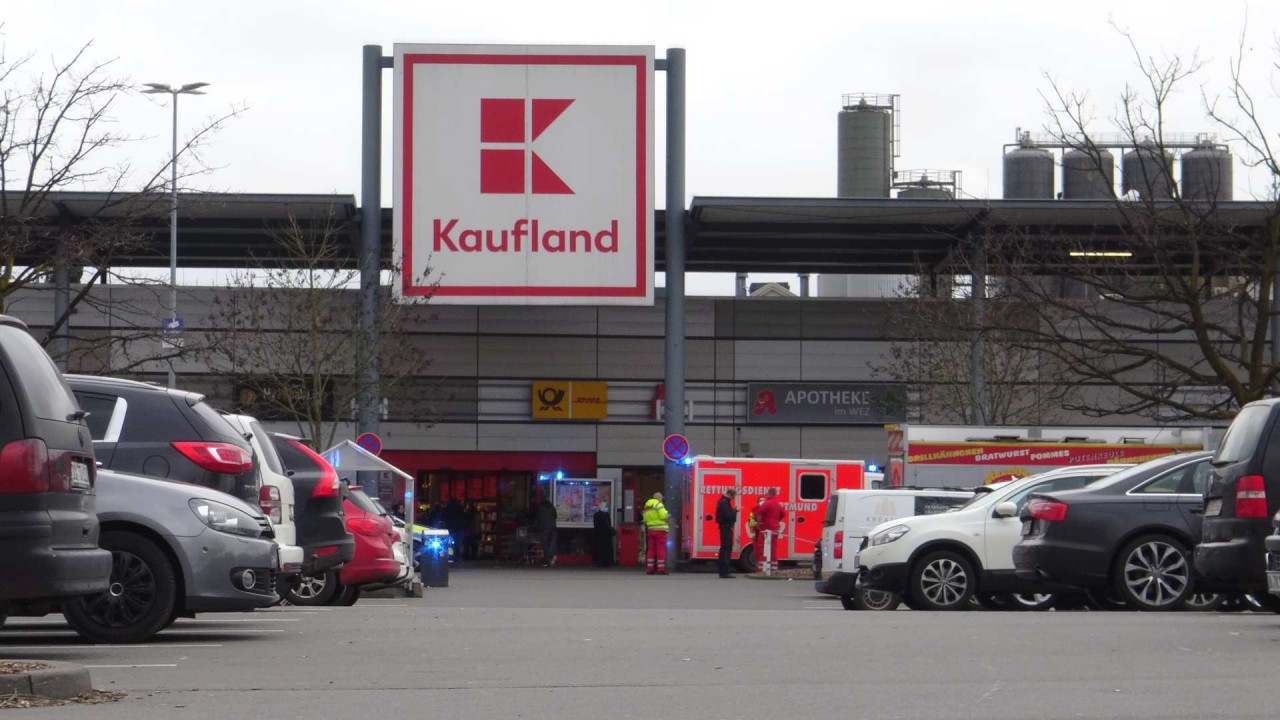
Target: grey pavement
{"x": 570, "y": 643}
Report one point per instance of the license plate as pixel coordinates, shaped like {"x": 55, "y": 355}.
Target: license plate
{"x": 1273, "y": 582}
{"x": 1028, "y": 528}
{"x": 1213, "y": 507}
{"x": 79, "y": 475}
{"x": 855, "y": 562}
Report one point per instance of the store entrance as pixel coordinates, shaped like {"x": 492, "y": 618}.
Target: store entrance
{"x": 484, "y": 512}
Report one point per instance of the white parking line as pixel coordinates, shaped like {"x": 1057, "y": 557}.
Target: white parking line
{"x": 821, "y": 607}
{"x": 109, "y": 647}
{"x": 130, "y": 666}
{"x": 185, "y": 621}
{"x": 180, "y": 630}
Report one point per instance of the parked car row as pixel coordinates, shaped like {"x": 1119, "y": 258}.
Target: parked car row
{"x": 1190, "y": 530}
{"x": 124, "y": 505}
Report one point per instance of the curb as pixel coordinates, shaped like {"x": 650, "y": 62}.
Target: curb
{"x": 60, "y": 681}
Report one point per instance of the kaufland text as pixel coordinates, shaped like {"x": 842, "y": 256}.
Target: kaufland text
{"x": 524, "y": 235}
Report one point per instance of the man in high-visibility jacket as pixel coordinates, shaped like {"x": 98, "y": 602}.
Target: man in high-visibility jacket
{"x": 768, "y": 515}
{"x": 655, "y": 535}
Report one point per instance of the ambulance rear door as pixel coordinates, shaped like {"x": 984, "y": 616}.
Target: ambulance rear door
{"x": 711, "y": 482}
{"x": 811, "y": 487}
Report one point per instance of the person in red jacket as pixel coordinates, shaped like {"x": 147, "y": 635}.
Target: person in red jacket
{"x": 768, "y": 515}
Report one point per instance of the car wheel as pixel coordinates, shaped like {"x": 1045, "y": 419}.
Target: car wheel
{"x": 1265, "y": 603}
{"x": 1104, "y": 599}
{"x": 1205, "y": 602}
{"x": 747, "y": 560}
{"x": 1035, "y": 602}
{"x": 1153, "y": 574}
{"x": 4, "y": 615}
{"x": 314, "y": 590}
{"x": 942, "y": 581}
{"x": 847, "y": 602}
{"x": 347, "y": 596}
{"x": 140, "y": 601}
{"x": 987, "y": 601}
{"x": 868, "y": 599}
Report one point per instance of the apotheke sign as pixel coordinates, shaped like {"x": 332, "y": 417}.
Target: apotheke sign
{"x": 524, "y": 174}
{"x": 825, "y": 403}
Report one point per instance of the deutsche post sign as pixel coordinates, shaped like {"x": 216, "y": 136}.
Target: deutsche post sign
{"x": 569, "y": 400}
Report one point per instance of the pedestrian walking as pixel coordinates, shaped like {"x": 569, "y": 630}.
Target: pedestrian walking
{"x": 727, "y": 520}
{"x": 602, "y": 540}
{"x": 655, "y": 535}
{"x": 769, "y": 514}
{"x": 546, "y": 522}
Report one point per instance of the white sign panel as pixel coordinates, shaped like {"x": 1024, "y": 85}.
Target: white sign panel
{"x": 524, "y": 174}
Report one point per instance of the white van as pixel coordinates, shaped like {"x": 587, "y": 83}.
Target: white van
{"x": 850, "y": 515}
{"x": 275, "y": 498}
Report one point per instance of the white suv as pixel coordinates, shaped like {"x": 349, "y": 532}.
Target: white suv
{"x": 276, "y": 495}
{"x": 939, "y": 562}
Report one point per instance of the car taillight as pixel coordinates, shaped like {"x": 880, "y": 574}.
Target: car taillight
{"x": 327, "y": 485}
{"x": 269, "y": 502}
{"x": 1048, "y": 510}
{"x": 25, "y": 467}
{"x": 326, "y": 550}
{"x": 365, "y": 526}
{"x": 1251, "y": 497}
{"x": 837, "y": 548}
{"x": 216, "y": 456}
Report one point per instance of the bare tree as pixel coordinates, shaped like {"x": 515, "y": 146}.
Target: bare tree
{"x": 1168, "y": 307}
{"x": 58, "y": 136}
{"x": 288, "y": 334}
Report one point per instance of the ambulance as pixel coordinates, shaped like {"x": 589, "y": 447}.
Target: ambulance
{"x": 804, "y": 487}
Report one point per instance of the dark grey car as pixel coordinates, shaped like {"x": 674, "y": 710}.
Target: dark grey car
{"x": 149, "y": 430}
{"x": 48, "y": 530}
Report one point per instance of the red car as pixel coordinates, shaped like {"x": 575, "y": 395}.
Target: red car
{"x": 374, "y": 561}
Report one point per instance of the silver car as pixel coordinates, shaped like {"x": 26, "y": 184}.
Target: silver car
{"x": 177, "y": 550}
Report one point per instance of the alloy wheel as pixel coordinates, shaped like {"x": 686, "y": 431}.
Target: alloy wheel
{"x": 878, "y": 600}
{"x": 944, "y": 582}
{"x": 310, "y": 587}
{"x": 1157, "y": 573}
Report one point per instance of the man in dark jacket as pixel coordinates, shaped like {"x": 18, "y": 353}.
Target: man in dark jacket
{"x": 727, "y": 519}
{"x": 546, "y": 521}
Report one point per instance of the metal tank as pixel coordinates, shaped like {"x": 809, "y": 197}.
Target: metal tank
{"x": 865, "y": 146}
{"x": 1145, "y": 170}
{"x": 1206, "y": 173}
{"x": 1088, "y": 174}
{"x": 924, "y": 193}
{"x": 1028, "y": 173}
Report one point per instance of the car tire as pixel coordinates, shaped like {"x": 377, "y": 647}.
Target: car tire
{"x": 846, "y": 602}
{"x": 1264, "y": 602}
{"x": 747, "y": 560}
{"x": 1105, "y": 599}
{"x": 142, "y": 598}
{"x": 1153, "y": 574}
{"x": 943, "y": 580}
{"x": 314, "y": 590}
{"x": 4, "y": 615}
{"x": 346, "y": 596}
{"x": 874, "y": 600}
{"x": 988, "y": 601}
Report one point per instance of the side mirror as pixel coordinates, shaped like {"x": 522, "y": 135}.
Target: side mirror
{"x": 1006, "y": 510}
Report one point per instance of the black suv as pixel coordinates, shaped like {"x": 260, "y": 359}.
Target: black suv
{"x": 1240, "y": 500}
{"x": 317, "y": 498}
{"x": 48, "y": 528}
{"x": 149, "y": 430}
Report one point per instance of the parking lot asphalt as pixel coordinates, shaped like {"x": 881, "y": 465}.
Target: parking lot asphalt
{"x": 570, "y": 643}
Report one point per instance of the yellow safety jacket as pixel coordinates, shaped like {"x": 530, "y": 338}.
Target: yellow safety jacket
{"x": 654, "y": 515}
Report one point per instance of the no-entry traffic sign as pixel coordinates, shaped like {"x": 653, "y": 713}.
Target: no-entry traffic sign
{"x": 675, "y": 447}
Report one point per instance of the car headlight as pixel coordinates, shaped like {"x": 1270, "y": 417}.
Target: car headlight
{"x": 225, "y": 518}
{"x": 888, "y": 536}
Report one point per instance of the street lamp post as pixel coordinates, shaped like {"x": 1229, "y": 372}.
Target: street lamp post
{"x": 188, "y": 89}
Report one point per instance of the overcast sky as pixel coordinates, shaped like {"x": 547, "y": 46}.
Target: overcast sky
{"x": 765, "y": 79}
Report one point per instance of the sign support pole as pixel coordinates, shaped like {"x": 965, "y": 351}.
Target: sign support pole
{"x": 673, "y": 485}
{"x": 369, "y": 402}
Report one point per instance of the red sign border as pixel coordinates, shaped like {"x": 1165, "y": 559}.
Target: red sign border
{"x": 641, "y": 287}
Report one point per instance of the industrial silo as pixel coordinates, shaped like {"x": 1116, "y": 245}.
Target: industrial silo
{"x": 1028, "y": 173}
{"x": 1088, "y": 174}
{"x": 1206, "y": 173}
{"x": 1147, "y": 171}
{"x": 865, "y": 146}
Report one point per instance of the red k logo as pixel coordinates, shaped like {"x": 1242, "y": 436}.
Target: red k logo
{"x": 502, "y": 169}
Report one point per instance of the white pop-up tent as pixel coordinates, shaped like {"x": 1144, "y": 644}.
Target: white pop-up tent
{"x": 349, "y": 458}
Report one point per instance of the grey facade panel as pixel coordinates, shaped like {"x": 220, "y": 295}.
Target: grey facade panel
{"x": 847, "y": 319}
{"x": 842, "y": 360}
{"x": 523, "y": 357}
{"x": 534, "y": 437}
{"x": 770, "y": 442}
{"x": 724, "y": 360}
{"x": 754, "y": 318}
{"x": 767, "y": 360}
{"x": 537, "y": 320}
{"x": 443, "y": 355}
{"x": 845, "y": 443}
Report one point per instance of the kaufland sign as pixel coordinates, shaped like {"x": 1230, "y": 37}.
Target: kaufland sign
{"x": 524, "y": 174}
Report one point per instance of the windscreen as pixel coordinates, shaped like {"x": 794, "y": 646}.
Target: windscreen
{"x": 363, "y": 501}
{"x": 1243, "y": 435}
{"x": 41, "y": 383}
{"x": 269, "y": 454}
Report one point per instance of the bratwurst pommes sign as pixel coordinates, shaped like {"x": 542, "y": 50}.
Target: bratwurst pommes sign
{"x": 524, "y": 174}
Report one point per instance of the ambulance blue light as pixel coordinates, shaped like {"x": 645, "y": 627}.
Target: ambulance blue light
{"x": 559, "y": 475}
{"x": 686, "y": 460}
{"x": 873, "y": 468}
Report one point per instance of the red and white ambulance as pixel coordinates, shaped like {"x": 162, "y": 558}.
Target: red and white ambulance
{"x": 804, "y": 487}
